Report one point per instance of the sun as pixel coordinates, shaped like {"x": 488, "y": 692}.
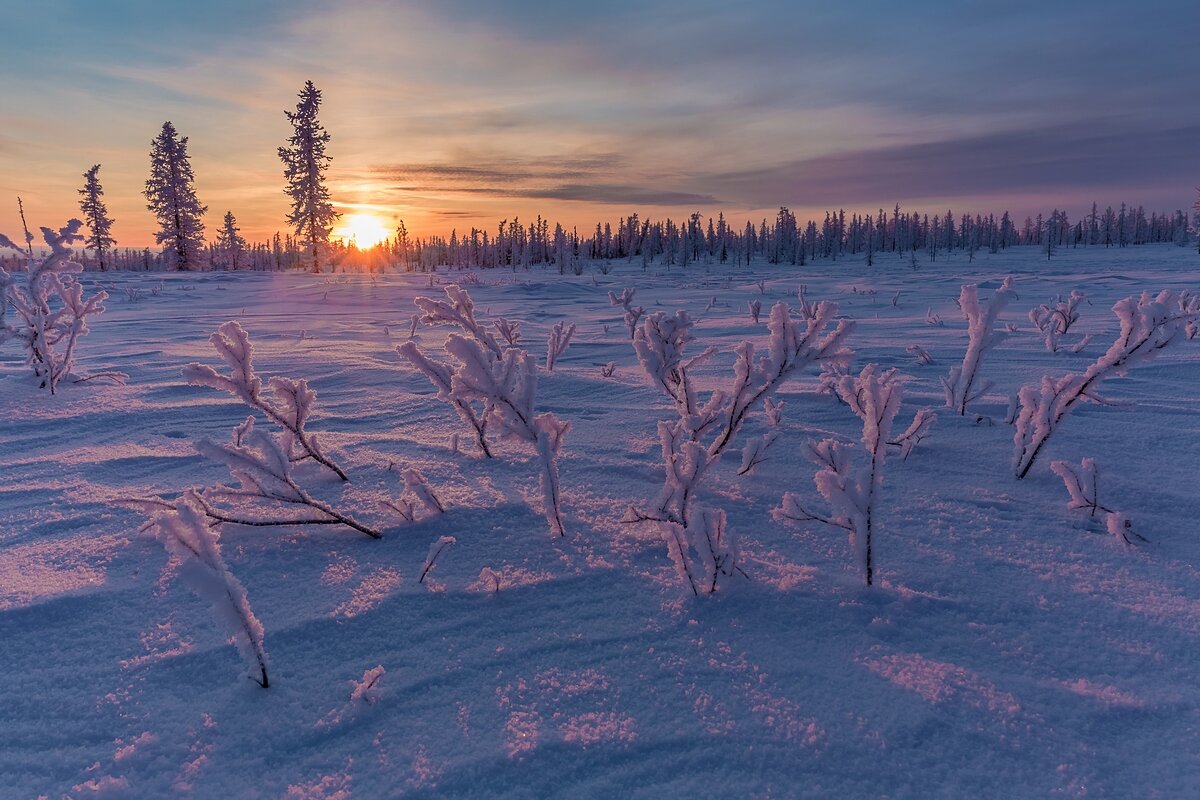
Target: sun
{"x": 365, "y": 230}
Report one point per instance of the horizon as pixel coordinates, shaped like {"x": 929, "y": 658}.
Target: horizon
{"x": 588, "y": 113}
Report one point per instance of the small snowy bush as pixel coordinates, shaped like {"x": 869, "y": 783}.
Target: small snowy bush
{"x": 960, "y": 384}
{"x": 268, "y": 493}
{"x": 853, "y": 493}
{"x": 697, "y": 540}
{"x": 1148, "y": 324}
{"x": 288, "y": 405}
{"x": 417, "y": 491}
{"x": 1055, "y": 320}
{"x": 557, "y": 343}
{"x": 632, "y": 313}
{"x": 184, "y": 532}
{"x": 435, "y": 551}
{"x": 755, "y": 308}
{"x": 1082, "y": 484}
{"x": 491, "y": 385}
{"x": 51, "y": 311}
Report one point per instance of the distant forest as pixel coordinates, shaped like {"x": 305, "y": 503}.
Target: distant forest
{"x": 783, "y": 240}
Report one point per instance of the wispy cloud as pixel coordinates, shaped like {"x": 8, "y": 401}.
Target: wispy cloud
{"x": 1078, "y": 157}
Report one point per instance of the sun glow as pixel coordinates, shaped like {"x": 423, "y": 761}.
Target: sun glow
{"x": 365, "y": 230}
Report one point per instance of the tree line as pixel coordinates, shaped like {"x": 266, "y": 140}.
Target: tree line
{"x": 171, "y": 197}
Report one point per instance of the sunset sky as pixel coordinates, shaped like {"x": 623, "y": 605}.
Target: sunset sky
{"x": 453, "y": 113}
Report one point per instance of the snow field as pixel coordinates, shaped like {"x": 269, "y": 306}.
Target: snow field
{"x": 1010, "y": 648}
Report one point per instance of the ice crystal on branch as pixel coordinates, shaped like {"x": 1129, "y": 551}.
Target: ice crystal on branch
{"x": 50, "y": 309}
{"x": 1148, "y": 324}
{"x": 961, "y": 384}
{"x": 703, "y": 430}
{"x": 851, "y": 492}
{"x": 288, "y": 403}
{"x": 632, "y": 313}
{"x": 491, "y": 388}
{"x": 268, "y": 493}
{"x": 184, "y": 532}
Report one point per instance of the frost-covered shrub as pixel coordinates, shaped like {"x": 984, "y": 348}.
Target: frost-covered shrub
{"x": 1055, "y": 320}
{"x": 509, "y": 330}
{"x": 367, "y": 690}
{"x": 853, "y": 492}
{"x": 288, "y": 402}
{"x": 960, "y": 384}
{"x": 755, "y": 451}
{"x": 919, "y": 354}
{"x": 417, "y": 491}
{"x": 51, "y": 313}
{"x": 917, "y": 431}
{"x": 557, "y": 343}
{"x": 267, "y": 491}
{"x": 697, "y": 541}
{"x": 490, "y": 385}
{"x": 1148, "y": 324}
{"x": 755, "y": 308}
{"x": 1082, "y": 484}
{"x": 632, "y": 313}
{"x": 184, "y": 530}
{"x": 435, "y": 550}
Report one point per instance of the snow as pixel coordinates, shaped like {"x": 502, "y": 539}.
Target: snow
{"x": 1011, "y": 647}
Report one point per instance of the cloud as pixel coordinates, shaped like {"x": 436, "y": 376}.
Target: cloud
{"x": 582, "y": 178}
{"x": 1063, "y": 157}
{"x": 617, "y": 194}
{"x": 500, "y": 170}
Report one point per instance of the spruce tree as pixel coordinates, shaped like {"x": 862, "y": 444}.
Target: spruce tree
{"x": 95, "y": 214}
{"x": 1196, "y": 206}
{"x": 172, "y": 198}
{"x": 230, "y": 244}
{"x": 304, "y": 164}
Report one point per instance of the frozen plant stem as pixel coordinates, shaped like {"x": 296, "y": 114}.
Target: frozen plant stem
{"x": 697, "y": 439}
{"x": 289, "y": 407}
{"x": 50, "y": 334}
{"x": 492, "y": 385}
{"x": 853, "y": 494}
{"x": 1148, "y": 325}
{"x": 186, "y": 535}
{"x": 960, "y": 384}
{"x": 264, "y": 474}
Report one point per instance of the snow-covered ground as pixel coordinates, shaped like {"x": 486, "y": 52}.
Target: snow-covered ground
{"x": 1011, "y": 649}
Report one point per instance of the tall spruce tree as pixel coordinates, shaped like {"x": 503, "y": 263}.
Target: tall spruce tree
{"x": 304, "y": 164}
{"x": 95, "y": 214}
{"x": 172, "y": 198}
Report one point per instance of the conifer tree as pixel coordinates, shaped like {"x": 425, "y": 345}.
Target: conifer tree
{"x": 304, "y": 164}
{"x": 1196, "y": 206}
{"x": 172, "y": 198}
{"x": 95, "y": 215}
{"x": 230, "y": 244}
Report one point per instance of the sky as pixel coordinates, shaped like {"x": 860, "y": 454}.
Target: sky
{"x": 460, "y": 113}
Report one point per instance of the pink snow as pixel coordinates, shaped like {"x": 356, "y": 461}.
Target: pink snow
{"x": 598, "y": 726}
{"x": 1109, "y": 695}
{"x": 939, "y": 681}
{"x": 376, "y": 587}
